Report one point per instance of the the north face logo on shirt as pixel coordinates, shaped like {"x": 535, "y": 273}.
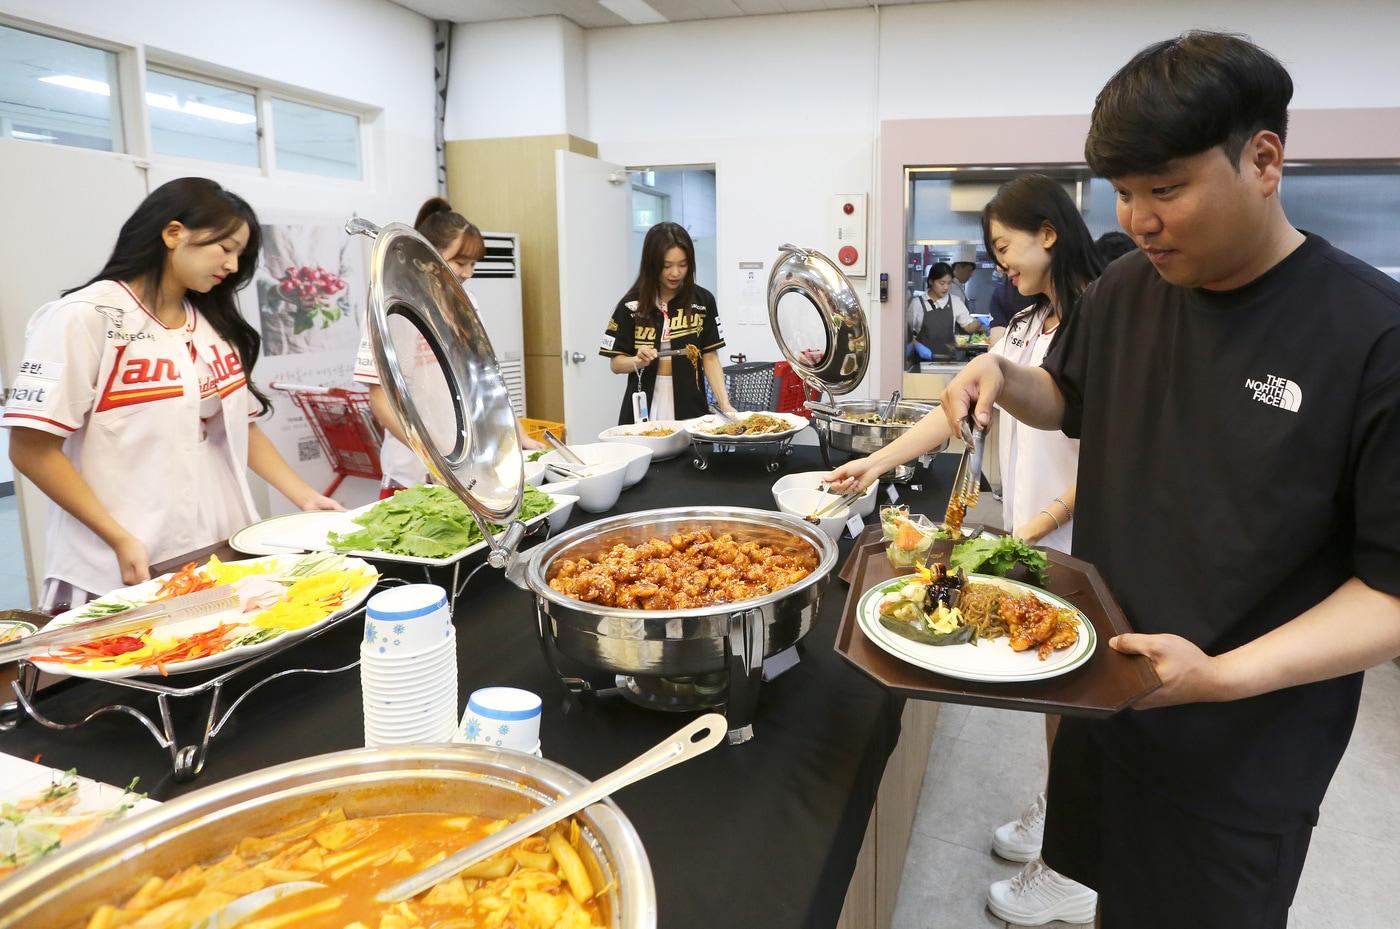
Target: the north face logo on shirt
{"x": 1276, "y": 391}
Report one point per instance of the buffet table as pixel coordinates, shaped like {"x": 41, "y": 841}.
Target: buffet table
{"x": 784, "y": 831}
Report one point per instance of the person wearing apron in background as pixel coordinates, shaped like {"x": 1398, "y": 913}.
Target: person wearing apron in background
{"x": 461, "y": 246}
{"x": 1038, "y": 238}
{"x": 934, "y": 317}
{"x": 134, "y": 405}
{"x": 666, "y": 311}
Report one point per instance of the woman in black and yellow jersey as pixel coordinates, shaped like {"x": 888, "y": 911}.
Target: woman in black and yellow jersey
{"x": 666, "y": 312}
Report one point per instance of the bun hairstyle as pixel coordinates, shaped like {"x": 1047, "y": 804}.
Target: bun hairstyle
{"x": 211, "y": 212}
{"x": 443, "y": 226}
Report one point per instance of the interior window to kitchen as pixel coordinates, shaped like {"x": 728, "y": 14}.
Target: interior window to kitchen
{"x": 313, "y": 140}
{"x": 196, "y": 119}
{"x": 58, "y": 92}
{"x": 680, "y": 195}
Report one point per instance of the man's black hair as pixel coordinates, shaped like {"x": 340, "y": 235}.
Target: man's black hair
{"x": 1185, "y": 96}
{"x": 958, "y": 264}
{"x": 1113, "y": 245}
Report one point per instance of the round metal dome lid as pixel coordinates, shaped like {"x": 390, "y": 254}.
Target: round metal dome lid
{"x": 821, "y": 329}
{"x": 440, "y": 374}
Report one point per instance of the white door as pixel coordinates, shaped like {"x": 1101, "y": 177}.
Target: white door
{"x": 595, "y": 219}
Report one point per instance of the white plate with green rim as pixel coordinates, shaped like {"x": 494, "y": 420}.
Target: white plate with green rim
{"x": 989, "y": 661}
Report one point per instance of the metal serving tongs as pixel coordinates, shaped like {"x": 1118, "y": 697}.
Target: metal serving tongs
{"x": 890, "y": 406}
{"x": 836, "y": 503}
{"x": 176, "y": 609}
{"x": 967, "y": 483}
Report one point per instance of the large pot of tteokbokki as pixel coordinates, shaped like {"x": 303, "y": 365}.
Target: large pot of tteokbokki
{"x": 682, "y": 605}
{"x": 355, "y": 822}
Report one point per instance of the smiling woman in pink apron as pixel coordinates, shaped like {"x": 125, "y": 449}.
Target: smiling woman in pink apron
{"x": 1034, "y": 232}
{"x": 134, "y": 405}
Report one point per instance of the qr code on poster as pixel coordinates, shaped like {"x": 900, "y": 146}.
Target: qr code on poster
{"x": 308, "y": 450}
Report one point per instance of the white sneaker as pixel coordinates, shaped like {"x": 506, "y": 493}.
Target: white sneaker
{"x": 1020, "y": 840}
{"x": 1039, "y": 895}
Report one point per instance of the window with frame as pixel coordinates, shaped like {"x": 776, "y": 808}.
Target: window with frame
{"x": 314, "y": 140}
{"x": 58, "y": 92}
{"x": 196, "y": 119}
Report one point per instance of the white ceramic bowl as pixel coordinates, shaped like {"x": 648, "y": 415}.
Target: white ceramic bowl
{"x": 811, "y": 480}
{"x": 662, "y": 446}
{"x": 636, "y": 457}
{"x": 564, "y": 507}
{"x": 802, "y": 501}
{"x": 534, "y": 473}
{"x": 600, "y": 489}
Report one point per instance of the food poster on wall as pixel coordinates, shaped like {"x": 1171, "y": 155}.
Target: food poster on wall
{"x": 307, "y": 301}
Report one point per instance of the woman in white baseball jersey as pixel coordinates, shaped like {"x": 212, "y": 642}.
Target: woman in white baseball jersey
{"x": 133, "y": 409}
{"x": 461, "y": 245}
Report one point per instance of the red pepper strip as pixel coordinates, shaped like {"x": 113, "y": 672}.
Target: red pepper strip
{"x": 102, "y": 648}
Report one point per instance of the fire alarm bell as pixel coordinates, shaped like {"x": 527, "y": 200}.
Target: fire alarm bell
{"x": 846, "y": 232}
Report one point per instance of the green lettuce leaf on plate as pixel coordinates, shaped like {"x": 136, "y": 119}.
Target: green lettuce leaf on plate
{"x": 426, "y": 521}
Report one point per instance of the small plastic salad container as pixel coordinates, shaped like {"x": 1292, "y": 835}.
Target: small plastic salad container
{"x": 909, "y": 537}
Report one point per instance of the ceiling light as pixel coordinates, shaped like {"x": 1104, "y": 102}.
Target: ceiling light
{"x": 156, "y": 101}
{"x": 636, "y": 12}
{"x": 73, "y": 82}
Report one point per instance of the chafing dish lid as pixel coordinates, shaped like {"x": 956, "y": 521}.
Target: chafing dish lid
{"x": 821, "y": 329}
{"x": 440, "y": 374}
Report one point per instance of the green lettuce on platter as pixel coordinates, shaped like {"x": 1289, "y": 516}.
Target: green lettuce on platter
{"x": 999, "y": 555}
{"x": 426, "y": 521}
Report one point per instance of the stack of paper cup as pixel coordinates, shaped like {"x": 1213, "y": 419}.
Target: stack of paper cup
{"x": 408, "y": 667}
{"x": 504, "y": 717}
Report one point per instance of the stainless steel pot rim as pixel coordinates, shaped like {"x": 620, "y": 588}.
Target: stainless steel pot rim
{"x": 544, "y": 554}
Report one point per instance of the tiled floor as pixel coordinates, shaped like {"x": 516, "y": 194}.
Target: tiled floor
{"x": 986, "y": 764}
{"x": 14, "y": 588}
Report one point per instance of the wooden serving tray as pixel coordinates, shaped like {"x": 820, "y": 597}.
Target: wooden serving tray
{"x": 1107, "y": 683}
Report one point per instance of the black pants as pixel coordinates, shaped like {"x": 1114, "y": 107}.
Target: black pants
{"x": 1153, "y": 863}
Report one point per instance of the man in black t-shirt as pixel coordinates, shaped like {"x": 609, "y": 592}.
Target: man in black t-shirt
{"x": 1236, "y": 389}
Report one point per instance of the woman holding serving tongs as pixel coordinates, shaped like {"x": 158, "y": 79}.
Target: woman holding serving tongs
{"x": 1038, "y": 238}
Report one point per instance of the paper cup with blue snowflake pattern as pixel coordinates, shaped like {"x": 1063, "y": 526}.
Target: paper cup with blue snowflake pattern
{"x": 407, "y": 620}
{"x": 503, "y": 717}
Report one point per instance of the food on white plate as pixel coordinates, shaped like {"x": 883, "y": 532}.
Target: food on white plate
{"x": 657, "y": 433}
{"x": 752, "y": 424}
{"x": 39, "y": 825}
{"x": 308, "y": 589}
{"x": 939, "y": 606}
{"x": 427, "y": 521}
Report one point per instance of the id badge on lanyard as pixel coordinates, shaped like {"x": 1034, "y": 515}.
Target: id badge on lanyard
{"x": 640, "y": 407}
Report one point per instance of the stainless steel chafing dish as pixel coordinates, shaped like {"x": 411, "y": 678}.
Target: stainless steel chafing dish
{"x": 62, "y": 890}
{"x": 825, "y": 338}
{"x": 679, "y": 659}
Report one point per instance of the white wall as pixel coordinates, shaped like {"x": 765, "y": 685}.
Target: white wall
{"x": 1340, "y": 54}
{"x": 518, "y": 77}
{"x": 787, "y": 123}
{"x": 367, "y": 52}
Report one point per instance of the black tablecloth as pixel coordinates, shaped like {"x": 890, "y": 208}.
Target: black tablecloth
{"x": 764, "y": 834}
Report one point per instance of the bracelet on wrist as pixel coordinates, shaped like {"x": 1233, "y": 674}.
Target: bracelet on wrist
{"x": 1053, "y": 519}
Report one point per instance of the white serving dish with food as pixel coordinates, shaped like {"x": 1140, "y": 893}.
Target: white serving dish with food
{"x": 666, "y": 438}
{"x": 247, "y": 629}
{"x": 295, "y": 532}
{"x": 759, "y": 426}
{"x": 811, "y": 480}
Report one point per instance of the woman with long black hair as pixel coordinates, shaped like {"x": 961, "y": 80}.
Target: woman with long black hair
{"x": 1034, "y": 232}
{"x": 134, "y": 405}
{"x": 666, "y": 311}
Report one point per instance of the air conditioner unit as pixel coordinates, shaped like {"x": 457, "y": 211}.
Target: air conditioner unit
{"x": 496, "y": 287}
